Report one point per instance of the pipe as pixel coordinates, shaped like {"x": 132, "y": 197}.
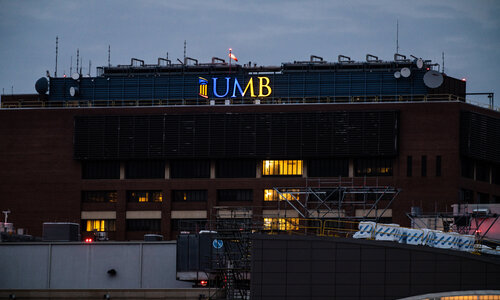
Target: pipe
{"x": 343, "y": 58}
{"x": 186, "y": 59}
{"x": 168, "y": 61}
{"x": 399, "y": 57}
{"x": 220, "y": 60}
{"x": 138, "y": 60}
{"x": 372, "y": 58}
{"x": 319, "y": 58}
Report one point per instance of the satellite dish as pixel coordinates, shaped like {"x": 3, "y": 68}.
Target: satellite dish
{"x": 75, "y": 76}
{"x": 42, "y": 85}
{"x": 420, "y": 63}
{"x": 397, "y": 74}
{"x": 405, "y": 72}
{"x": 73, "y": 91}
{"x": 433, "y": 79}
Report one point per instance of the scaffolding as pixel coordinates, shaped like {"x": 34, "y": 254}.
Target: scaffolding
{"x": 338, "y": 199}
{"x": 233, "y": 227}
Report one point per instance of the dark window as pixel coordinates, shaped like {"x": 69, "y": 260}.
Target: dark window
{"x": 190, "y": 195}
{"x": 483, "y": 198}
{"x": 373, "y": 167}
{"x": 328, "y": 167}
{"x": 241, "y": 168}
{"x": 496, "y": 199}
{"x": 495, "y": 174}
{"x": 145, "y": 169}
{"x": 101, "y": 170}
{"x": 144, "y": 196}
{"x": 424, "y": 166}
{"x": 466, "y": 196}
{"x": 192, "y": 225}
{"x": 482, "y": 171}
{"x": 235, "y": 195}
{"x": 467, "y": 166}
{"x": 438, "y": 165}
{"x": 143, "y": 225}
{"x": 409, "y": 166}
{"x": 99, "y": 196}
{"x": 190, "y": 169}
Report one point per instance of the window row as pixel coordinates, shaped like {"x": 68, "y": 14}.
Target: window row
{"x": 480, "y": 170}
{"x": 423, "y": 166}
{"x": 152, "y": 196}
{"x": 151, "y": 225}
{"x": 236, "y": 168}
{"x": 467, "y": 196}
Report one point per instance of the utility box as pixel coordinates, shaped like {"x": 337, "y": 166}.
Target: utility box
{"x": 61, "y": 232}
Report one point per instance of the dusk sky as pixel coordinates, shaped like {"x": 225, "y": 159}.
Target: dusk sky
{"x": 264, "y": 32}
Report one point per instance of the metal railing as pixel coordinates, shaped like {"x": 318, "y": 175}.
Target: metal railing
{"x": 242, "y": 101}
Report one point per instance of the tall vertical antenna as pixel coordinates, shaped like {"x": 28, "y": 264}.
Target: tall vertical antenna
{"x": 397, "y": 36}
{"x": 443, "y": 60}
{"x": 81, "y": 65}
{"x": 77, "y": 60}
{"x": 71, "y": 66}
{"x": 184, "y": 51}
{"x": 90, "y": 66}
{"x": 57, "y": 50}
{"x": 109, "y": 55}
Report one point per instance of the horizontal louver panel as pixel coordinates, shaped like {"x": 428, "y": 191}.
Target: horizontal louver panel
{"x": 246, "y": 135}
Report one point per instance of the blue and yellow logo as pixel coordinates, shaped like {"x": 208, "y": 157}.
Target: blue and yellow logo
{"x": 203, "y": 87}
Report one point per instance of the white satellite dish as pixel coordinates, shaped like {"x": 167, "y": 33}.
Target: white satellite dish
{"x": 433, "y": 79}
{"x": 420, "y": 63}
{"x": 397, "y": 74}
{"x": 405, "y": 72}
{"x": 73, "y": 91}
{"x": 75, "y": 76}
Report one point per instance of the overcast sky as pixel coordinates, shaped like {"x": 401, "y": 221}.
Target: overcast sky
{"x": 265, "y": 32}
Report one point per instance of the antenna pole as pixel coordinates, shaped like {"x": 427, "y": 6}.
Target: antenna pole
{"x": 77, "y": 59}
{"x": 90, "y": 66}
{"x": 184, "y": 51}
{"x": 71, "y": 65}
{"x": 443, "y": 60}
{"x": 397, "y": 36}
{"x": 57, "y": 50}
{"x": 81, "y": 65}
{"x": 109, "y": 55}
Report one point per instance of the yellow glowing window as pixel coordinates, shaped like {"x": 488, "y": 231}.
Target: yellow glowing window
{"x": 281, "y": 223}
{"x": 273, "y": 195}
{"x": 145, "y": 196}
{"x": 100, "y": 225}
{"x": 282, "y": 167}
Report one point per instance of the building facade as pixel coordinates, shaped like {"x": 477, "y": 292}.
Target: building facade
{"x": 164, "y": 149}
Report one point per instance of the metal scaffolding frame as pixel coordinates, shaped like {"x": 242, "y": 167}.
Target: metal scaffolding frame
{"x": 332, "y": 199}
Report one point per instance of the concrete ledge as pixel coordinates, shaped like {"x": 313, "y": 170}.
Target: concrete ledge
{"x": 172, "y": 294}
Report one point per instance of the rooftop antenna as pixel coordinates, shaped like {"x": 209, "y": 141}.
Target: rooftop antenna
{"x": 109, "y": 55}
{"x": 397, "y": 36}
{"x": 77, "y": 59}
{"x": 184, "y": 51}
{"x": 57, "y": 50}
{"x": 90, "y": 66}
{"x": 71, "y": 66}
{"x": 81, "y": 65}
{"x": 443, "y": 60}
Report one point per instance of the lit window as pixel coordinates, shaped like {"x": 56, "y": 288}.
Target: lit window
{"x": 100, "y": 225}
{"x": 145, "y": 196}
{"x": 273, "y": 195}
{"x": 281, "y": 223}
{"x": 282, "y": 167}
